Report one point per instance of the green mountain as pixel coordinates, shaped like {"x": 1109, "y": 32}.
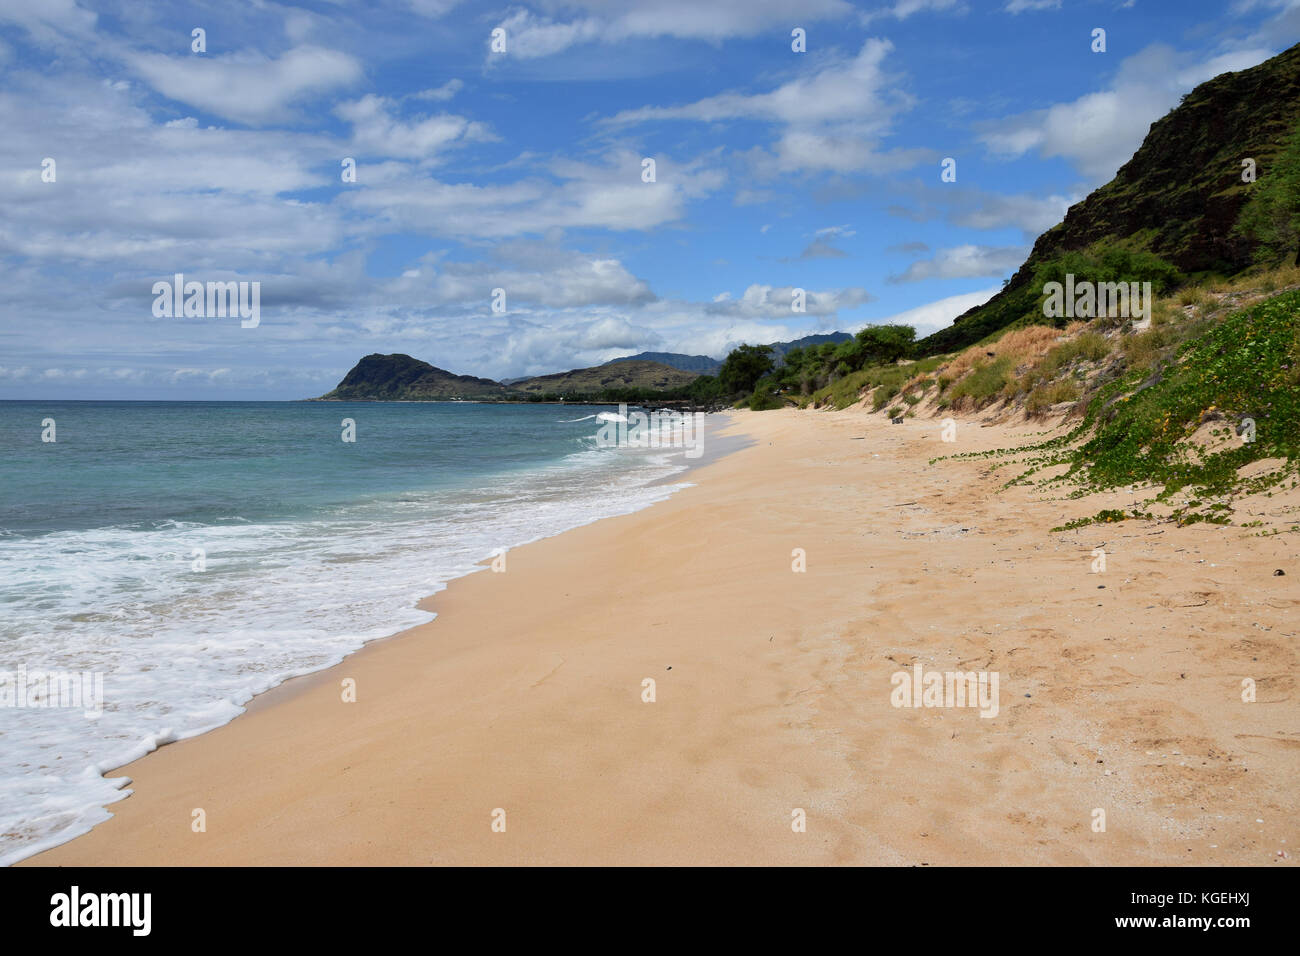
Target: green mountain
{"x": 1177, "y": 205}
{"x": 400, "y": 378}
{"x": 700, "y": 364}
{"x": 706, "y": 365}
{"x": 627, "y": 373}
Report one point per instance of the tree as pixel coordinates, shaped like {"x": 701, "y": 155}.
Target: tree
{"x": 704, "y": 389}
{"x": 885, "y": 344}
{"x": 744, "y": 367}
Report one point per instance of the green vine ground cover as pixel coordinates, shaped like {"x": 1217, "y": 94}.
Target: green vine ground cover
{"x": 1136, "y": 428}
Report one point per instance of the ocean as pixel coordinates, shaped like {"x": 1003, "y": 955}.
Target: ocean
{"x": 189, "y": 555}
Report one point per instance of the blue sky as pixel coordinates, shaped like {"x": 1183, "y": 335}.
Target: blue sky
{"x": 522, "y": 170}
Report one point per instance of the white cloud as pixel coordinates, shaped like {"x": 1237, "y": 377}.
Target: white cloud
{"x": 839, "y": 91}
{"x": 608, "y": 195}
{"x": 534, "y": 274}
{"x": 530, "y": 35}
{"x": 965, "y": 262}
{"x": 776, "y": 302}
{"x": 608, "y": 333}
{"x": 902, "y": 9}
{"x": 180, "y": 193}
{"x": 379, "y": 132}
{"x": 1031, "y": 214}
{"x": 1020, "y": 6}
{"x": 441, "y": 93}
{"x": 432, "y": 8}
{"x": 50, "y": 22}
{"x": 1099, "y": 132}
{"x": 565, "y": 343}
{"x": 832, "y": 118}
{"x": 933, "y": 316}
{"x": 247, "y": 87}
{"x": 1280, "y": 30}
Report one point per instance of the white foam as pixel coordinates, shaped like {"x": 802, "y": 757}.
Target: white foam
{"x": 182, "y": 650}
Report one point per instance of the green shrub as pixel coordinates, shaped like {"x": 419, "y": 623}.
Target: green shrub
{"x": 983, "y": 382}
{"x": 1053, "y": 393}
{"x": 763, "y": 400}
{"x": 1244, "y": 367}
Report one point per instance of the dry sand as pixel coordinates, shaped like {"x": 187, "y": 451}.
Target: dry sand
{"x": 773, "y": 688}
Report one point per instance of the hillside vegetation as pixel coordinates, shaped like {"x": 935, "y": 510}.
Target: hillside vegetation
{"x": 627, "y": 374}
{"x": 1193, "y": 411}
{"x": 1181, "y": 200}
{"x": 1192, "y": 401}
{"x": 398, "y": 377}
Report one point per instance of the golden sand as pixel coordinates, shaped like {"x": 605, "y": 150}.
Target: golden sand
{"x": 1119, "y": 691}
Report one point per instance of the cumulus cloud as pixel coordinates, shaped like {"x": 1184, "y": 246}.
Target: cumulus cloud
{"x": 1099, "y": 132}
{"x": 531, "y": 35}
{"x": 533, "y": 274}
{"x": 831, "y": 119}
{"x": 605, "y": 194}
{"x": 965, "y": 262}
{"x": 183, "y": 195}
{"x": 1280, "y": 30}
{"x": 247, "y": 87}
{"x": 776, "y": 302}
{"x": 378, "y": 131}
{"x": 975, "y": 208}
{"x": 51, "y": 22}
{"x": 440, "y": 93}
{"x": 567, "y": 342}
{"x": 933, "y": 316}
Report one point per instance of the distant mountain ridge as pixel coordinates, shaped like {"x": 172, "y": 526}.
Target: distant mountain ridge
{"x": 707, "y": 365}
{"x": 779, "y": 349}
{"x": 628, "y": 373}
{"x": 700, "y": 364}
{"x": 401, "y": 378}
{"x": 398, "y": 378}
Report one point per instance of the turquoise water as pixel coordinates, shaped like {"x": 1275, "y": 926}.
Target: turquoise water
{"x": 195, "y": 554}
{"x": 119, "y": 463}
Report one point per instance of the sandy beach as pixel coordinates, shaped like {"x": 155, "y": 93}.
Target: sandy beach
{"x": 1119, "y": 691}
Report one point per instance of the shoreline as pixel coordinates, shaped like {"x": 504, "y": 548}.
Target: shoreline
{"x": 428, "y": 602}
{"x": 715, "y": 447}
{"x": 772, "y": 690}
